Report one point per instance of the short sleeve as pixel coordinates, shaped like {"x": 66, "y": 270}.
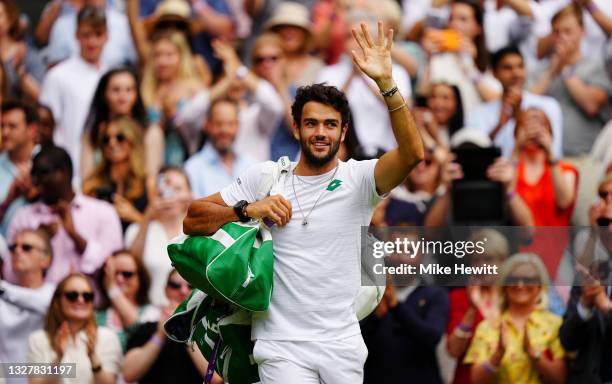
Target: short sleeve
{"x": 109, "y": 351}
{"x": 480, "y": 349}
{"x": 245, "y": 186}
{"x": 363, "y": 173}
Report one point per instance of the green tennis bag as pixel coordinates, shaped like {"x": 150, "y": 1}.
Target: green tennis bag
{"x": 235, "y": 265}
{"x": 221, "y": 332}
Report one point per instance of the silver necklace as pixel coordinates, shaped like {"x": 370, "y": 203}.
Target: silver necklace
{"x": 305, "y": 218}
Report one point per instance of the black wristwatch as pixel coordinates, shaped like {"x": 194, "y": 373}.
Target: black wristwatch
{"x": 240, "y": 209}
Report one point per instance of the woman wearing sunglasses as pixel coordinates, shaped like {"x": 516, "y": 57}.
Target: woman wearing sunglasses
{"x": 162, "y": 221}
{"x": 120, "y": 177}
{"x": 71, "y": 335}
{"x": 116, "y": 96}
{"x": 522, "y": 345}
{"x": 125, "y": 295}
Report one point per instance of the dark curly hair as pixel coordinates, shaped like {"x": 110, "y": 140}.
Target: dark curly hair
{"x": 323, "y": 94}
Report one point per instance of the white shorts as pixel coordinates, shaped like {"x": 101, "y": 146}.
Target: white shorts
{"x": 311, "y": 362}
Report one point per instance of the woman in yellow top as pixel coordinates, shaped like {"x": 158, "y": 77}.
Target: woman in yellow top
{"x": 501, "y": 351}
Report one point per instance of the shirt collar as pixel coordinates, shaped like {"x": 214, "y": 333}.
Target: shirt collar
{"x": 211, "y": 155}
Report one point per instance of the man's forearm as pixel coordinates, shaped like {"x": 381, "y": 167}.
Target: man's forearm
{"x": 544, "y": 82}
{"x": 590, "y": 99}
{"x": 396, "y": 164}
{"x": 204, "y": 218}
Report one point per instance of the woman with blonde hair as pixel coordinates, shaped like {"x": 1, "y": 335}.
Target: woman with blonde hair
{"x": 170, "y": 78}
{"x": 522, "y": 345}
{"x": 71, "y": 335}
{"x": 120, "y": 177}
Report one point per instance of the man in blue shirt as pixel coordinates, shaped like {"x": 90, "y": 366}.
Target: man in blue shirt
{"x": 18, "y": 131}
{"x": 216, "y": 164}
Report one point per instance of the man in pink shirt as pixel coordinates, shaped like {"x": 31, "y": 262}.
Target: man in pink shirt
{"x": 85, "y": 231}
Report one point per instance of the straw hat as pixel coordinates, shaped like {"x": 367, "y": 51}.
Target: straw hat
{"x": 169, "y": 10}
{"x": 290, "y": 13}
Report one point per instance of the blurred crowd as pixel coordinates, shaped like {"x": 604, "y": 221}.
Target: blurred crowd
{"x": 115, "y": 114}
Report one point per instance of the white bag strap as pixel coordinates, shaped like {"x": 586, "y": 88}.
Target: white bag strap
{"x": 283, "y": 166}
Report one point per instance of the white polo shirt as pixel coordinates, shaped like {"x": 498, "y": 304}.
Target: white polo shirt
{"x": 68, "y": 90}
{"x": 317, "y": 266}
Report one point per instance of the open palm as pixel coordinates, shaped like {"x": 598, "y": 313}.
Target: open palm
{"x": 375, "y": 57}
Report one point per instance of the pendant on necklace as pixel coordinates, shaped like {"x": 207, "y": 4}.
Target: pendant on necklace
{"x": 304, "y": 222}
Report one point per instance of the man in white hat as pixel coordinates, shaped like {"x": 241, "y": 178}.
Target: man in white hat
{"x": 310, "y": 334}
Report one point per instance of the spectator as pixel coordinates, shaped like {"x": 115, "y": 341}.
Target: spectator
{"x": 522, "y": 345}
{"x": 120, "y": 177}
{"x": 46, "y": 125}
{"x": 410, "y": 202}
{"x": 260, "y": 107}
{"x": 118, "y": 95}
{"x": 23, "y": 67}
{"x": 500, "y": 171}
{"x": 369, "y": 114}
{"x": 125, "y": 305}
{"x": 71, "y": 335}
{"x": 18, "y": 130}
{"x": 217, "y": 164}
{"x": 447, "y": 115}
{"x": 119, "y": 49}
{"x": 170, "y": 78}
{"x": 328, "y": 26}
{"x": 269, "y": 63}
{"x": 152, "y": 358}
{"x": 547, "y": 185}
{"x": 586, "y": 329}
{"x": 69, "y": 87}
{"x": 162, "y": 221}
{"x": 85, "y": 231}
{"x": 582, "y": 88}
{"x": 477, "y": 301}
{"x": 463, "y": 59}
{"x": 578, "y": 82}
{"x": 24, "y": 305}
{"x": 169, "y": 16}
{"x": 498, "y": 118}
{"x": 405, "y": 328}
{"x": 291, "y": 21}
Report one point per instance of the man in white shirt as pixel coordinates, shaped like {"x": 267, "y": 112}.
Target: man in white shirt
{"x": 118, "y": 51}
{"x": 69, "y": 87}
{"x": 370, "y": 118}
{"x": 310, "y": 334}
{"x": 23, "y": 306}
{"x": 497, "y": 118}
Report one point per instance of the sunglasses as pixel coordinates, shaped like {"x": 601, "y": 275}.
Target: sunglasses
{"x": 175, "y": 285}
{"x": 603, "y": 221}
{"x": 604, "y": 194}
{"x": 27, "y": 248}
{"x": 119, "y": 137}
{"x": 524, "y": 280}
{"x": 73, "y": 296}
{"x": 125, "y": 274}
{"x": 261, "y": 59}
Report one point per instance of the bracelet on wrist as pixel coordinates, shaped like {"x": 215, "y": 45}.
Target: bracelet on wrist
{"x": 510, "y": 195}
{"x": 389, "y": 92}
{"x": 464, "y": 327}
{"x": 552, "y": 162}
{"x": 460, "y": 333}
